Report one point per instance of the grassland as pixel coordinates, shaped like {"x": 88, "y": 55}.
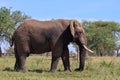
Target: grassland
{"x": 96, "y": 68}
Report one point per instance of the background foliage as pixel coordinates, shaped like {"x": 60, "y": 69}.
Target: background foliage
{"x": 102, "y": 36}
{"x": 9, "y": 20}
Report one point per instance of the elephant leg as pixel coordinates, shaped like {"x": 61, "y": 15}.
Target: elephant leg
{"x": 23, "y": 54}
{"x": 54, "y": 63}
{"x": 56, "y": 54}
{"x": 17, "y": 64}
{"x": 65, "y": 59}
{"x": 81, "y": 59}
{"x": 22, "y": 63}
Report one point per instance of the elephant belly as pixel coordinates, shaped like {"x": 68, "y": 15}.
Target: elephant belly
{"x": 39, "y": 48}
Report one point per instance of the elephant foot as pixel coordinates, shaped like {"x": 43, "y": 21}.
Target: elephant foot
{"x": 78, "y": 69}
{"x": 52, "y": 70}
{"x": 67, "y": 70}
{"x": 24, "y": 71}
{"x": 20, "y": 70}
{"x": 16, "y": 69}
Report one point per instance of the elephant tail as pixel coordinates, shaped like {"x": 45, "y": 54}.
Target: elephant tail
{"x": 12, "y": 41}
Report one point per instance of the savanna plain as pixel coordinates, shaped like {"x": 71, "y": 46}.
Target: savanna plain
{"x": 96, "y": 68}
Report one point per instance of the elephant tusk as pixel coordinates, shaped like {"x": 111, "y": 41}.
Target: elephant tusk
{"x": 88, "y": 49}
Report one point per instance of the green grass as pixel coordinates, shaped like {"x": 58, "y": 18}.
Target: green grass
{"x": 96, "y": 68}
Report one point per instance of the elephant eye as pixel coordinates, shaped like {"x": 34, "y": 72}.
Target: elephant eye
{"x": 79, "y": 32}
{"x": 76, "y": 24}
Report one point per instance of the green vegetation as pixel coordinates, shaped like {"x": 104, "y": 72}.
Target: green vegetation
{"x": 102, "y": 36}
{"x": 96, "y": 68}
{"x": 9, "y": 20}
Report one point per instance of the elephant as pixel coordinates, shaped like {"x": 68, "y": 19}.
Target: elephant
{"x": 35, "y": 36}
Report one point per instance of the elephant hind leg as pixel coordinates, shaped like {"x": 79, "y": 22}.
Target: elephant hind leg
{"x": 24, "y": 53}
{"x": 20, "y": 63}
{"x": 17, "y": 64}
{"x": 21, "y": 52}
{"x": 26, "y": 50}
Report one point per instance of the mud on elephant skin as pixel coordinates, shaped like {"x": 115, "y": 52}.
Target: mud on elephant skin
{"x": 35, "y": 36}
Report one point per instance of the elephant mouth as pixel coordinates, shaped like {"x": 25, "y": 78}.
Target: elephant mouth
{"x": 88, "y": 49}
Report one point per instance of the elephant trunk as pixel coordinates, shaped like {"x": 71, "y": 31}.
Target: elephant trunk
{"x": 88, "y": 49}
{"x": 83, "y": 41}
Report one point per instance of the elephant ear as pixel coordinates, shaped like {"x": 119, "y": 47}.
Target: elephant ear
{"x": 72, "y": 28}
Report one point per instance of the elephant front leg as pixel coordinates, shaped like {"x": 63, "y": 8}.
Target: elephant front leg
{"x": 54, "y": 63}
{"x": 65, "y": 59}
{"x": 56, "y": 54}
{"x": 82, "y": 56}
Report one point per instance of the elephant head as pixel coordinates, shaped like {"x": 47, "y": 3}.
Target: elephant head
{"x": 78, "y": 34}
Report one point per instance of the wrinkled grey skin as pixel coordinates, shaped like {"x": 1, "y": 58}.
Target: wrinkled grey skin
{"x": 35, "y": 36}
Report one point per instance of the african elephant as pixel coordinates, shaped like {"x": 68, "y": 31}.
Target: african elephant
{"x": 35, "y": 36}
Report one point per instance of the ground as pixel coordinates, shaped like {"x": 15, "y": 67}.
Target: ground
{"x": 96, "y": 68}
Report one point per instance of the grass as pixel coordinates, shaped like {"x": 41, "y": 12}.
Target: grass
{"x": 96, "y": 68}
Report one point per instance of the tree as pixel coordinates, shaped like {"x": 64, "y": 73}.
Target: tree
{"x": 6, "y": 24}
{"x": 9, "y": 20}
{"x": 101, "y": 36}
